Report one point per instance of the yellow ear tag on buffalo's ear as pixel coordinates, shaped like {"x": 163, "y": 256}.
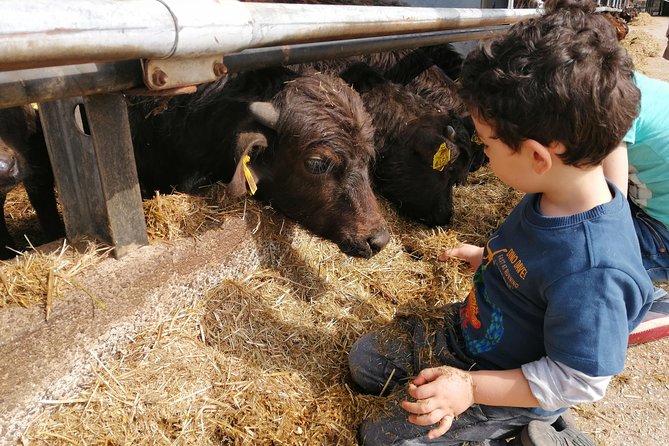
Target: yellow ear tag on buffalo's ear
{"x": 249, "y": 176}
{"x": 34, "y": 105}
{"x": 442, "y": 157}
{"x": 476, "y": 140}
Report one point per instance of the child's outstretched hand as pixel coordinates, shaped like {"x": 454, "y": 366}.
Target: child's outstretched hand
{"x": 470, "y": 253}
{"x": 441, "y": 394}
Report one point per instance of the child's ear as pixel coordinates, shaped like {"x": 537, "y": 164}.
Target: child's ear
{"x": 540, "y": 156}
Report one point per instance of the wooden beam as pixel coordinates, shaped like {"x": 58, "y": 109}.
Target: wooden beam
{"x": 91, "y": 153}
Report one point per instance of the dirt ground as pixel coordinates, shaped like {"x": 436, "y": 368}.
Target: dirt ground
{"x": 655, "y": 66}
{"x": 636, "y": 407}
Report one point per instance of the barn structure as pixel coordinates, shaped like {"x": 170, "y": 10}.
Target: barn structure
{"x": 657, "y": 7}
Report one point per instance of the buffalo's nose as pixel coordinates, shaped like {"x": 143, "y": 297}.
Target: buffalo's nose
{"x": 379, "y": 240}
{"x": 7, "y": 166}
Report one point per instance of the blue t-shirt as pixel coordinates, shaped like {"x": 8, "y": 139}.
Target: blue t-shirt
{"x": 648, "y": 149}
{"x": 570, "y": 288}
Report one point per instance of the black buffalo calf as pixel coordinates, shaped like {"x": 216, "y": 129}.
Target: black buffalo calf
{"x": 429, "y": 72}
{"x": 419, "y": 147}
{"x": 24, "y": 159}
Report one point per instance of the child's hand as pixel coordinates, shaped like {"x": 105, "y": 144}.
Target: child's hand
{"x": 470, "y": 253}
{"x": 441, "y": 394}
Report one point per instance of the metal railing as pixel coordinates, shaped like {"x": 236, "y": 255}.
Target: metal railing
{"x": 47, "y": 33}
{"x": 52, "y": 49}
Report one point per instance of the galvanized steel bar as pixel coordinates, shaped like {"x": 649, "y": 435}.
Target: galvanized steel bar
{"x": 43, "y": 33}
{"x": 310, "y": 52}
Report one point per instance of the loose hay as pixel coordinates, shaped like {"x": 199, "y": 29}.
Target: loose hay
{"x": 639, "y": 44}
{"x": 171, "y": 216}
{"x": 18, "y": 208}
{"x": 263, "y": 360}
{"x": 643, "y": 19}
{"x": 37, "y": 277}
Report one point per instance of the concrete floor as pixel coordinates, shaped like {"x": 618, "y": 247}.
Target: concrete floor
{"x": 43, "y": 360}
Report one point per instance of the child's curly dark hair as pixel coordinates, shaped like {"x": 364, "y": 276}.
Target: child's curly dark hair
{"x": 557, "y": 77}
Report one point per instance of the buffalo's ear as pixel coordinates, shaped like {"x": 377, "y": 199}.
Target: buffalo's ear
{"x": 361, "y": 77}
{"x": 265, "y": 113}
{"x": 247, "y": 142}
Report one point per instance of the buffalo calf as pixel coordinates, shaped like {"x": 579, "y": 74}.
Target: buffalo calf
{"x": 418, "y": 145}
{"x": 304, "y": 141}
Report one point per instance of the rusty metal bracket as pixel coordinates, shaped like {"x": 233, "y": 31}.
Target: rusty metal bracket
{"x": 173, "y": 73}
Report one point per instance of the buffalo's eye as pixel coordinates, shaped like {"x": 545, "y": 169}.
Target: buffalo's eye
{"x": 318, "y": 165}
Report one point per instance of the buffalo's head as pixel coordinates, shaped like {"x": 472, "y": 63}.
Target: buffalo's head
{"x": 311, "y": 162}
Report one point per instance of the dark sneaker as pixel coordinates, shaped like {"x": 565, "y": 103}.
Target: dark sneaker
{"x": 564, "y": 421}
{"x": 538, "y": 433}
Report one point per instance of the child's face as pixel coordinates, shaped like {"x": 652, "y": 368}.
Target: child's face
{"x": 506, "y": 164}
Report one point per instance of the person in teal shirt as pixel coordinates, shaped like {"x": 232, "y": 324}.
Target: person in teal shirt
{"x": 640, "y": 167}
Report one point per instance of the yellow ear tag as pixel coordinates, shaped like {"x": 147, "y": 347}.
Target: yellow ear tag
{"x": 442, "y": 157}
{"x": 476, "y": 140}
{"x": 34, "y": 105}
{"x": 249, "y": 176}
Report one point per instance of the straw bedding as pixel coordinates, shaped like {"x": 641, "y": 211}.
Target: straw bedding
{"x": 261, "y": 360}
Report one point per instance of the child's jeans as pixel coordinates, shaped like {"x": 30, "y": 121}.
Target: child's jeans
{"x": 384, "y": 359}
{"x": 654, "y": 240}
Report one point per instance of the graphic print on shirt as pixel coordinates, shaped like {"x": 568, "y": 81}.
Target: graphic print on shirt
{"x": 470, "y": 311}
{"x": 512, "y": 270}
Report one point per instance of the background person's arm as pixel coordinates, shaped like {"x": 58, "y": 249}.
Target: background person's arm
{"x": 616, "y": 168}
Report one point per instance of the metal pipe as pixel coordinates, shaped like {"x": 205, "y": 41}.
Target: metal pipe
{"x": 43, "y": 33}
{"x": 302, "y": 53}
{"x": 44, "y": 84}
